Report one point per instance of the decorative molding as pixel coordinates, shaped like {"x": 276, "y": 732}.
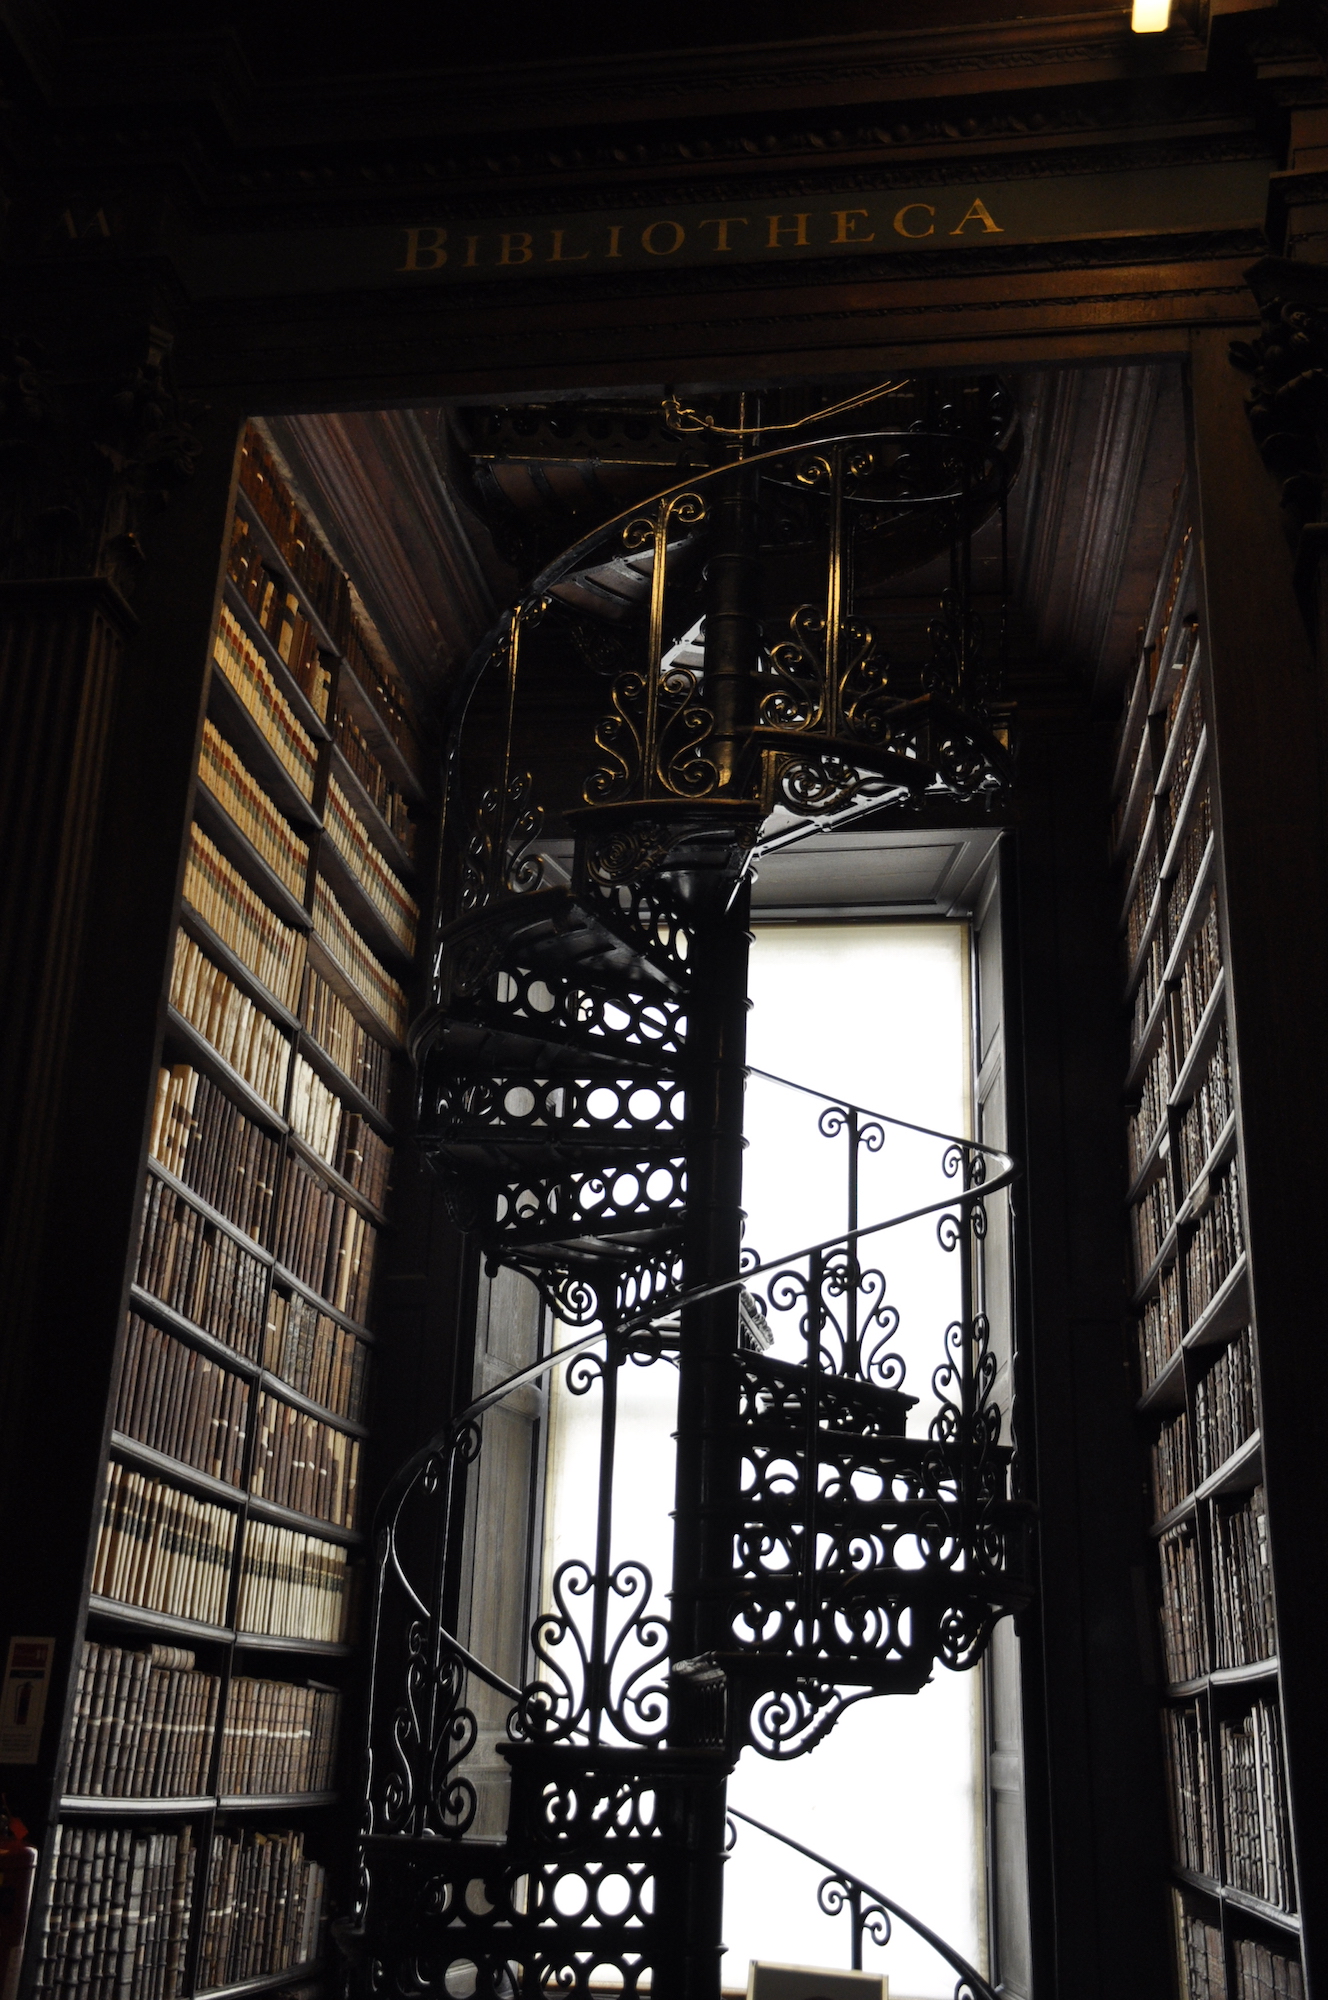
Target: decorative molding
{"x": 80, "y": 463}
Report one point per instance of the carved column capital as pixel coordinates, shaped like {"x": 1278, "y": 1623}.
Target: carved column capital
{"x": 83, "y": 460}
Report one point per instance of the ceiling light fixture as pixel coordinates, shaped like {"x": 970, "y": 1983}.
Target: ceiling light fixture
{"x": 1150, "y": 17}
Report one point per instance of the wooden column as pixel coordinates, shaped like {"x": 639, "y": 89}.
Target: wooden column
{"x": 116, "y": 506}
{"x": 1267, "y": 728}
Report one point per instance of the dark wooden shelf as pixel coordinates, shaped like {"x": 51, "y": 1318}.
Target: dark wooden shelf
{"x": 274, "y": 1642}
{"x": 1147, "y": 835}
{"x": 235, "y": 968}
{"x": 1164, "y": 1257}
{"x": 1204, "y": 1036}
{"x": 261, "y": 1982}
{"x": 336, "y": 1079}
{"x": 213, "y": 1215}
{"x": 151, "y": 1307}
{"x": 376, "y": 826}
{"x": 1223, "y": 1145}
{"x": 329, "y": 968}
{"x": 384, "y": 745}
{"x": 306, "y": 1524}
{"x": 276, "y": 1801}
{"x": 215, "y": 1065}
{"x": 307, "y": 1291}
{"x": 286, "y": 1393}
{"x": 158, "y": 1621}
{"x": 363, "y": 912}
{"x": 1232, "y": 1476}
{"x": 338, "y": 1182}
{"x": 1167, "y": 1389}
{"x": 1227, "y": 1311}
{"x": 257, "y": 754}
{"x": 177, "y": 1469}
{"x": 1159, "y": 1153}
{"x": 1147, "y": 1045}
{"x": 1180, "y": 825}
{"x": 77, "y": 1805}
{"x": 303, "y": 709}
{"x": 1189, "y": 916}
{"x": 236, "y": 845}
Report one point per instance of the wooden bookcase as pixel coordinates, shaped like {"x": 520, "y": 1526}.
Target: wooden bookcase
{"x": 1198, "y": 1335}
{"x": 198, "y": 1779}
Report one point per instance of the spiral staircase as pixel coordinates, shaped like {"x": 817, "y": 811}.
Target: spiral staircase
{"x": 581, "y": 1082}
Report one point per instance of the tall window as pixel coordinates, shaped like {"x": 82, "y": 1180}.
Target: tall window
{"x": 877, "y": 1014}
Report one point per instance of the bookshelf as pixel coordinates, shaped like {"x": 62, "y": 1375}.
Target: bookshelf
{"x": 202, "y": 1762}
{"x": 1234, "y": 1891}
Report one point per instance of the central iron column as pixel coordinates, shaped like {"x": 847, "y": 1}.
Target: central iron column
{"x": 712, "y": 1242}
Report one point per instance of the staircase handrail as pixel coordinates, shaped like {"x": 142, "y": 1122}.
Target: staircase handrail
{"x": 842, "y": 1885}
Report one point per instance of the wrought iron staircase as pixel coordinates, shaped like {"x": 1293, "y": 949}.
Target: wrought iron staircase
{"x": 582, "y": 1074}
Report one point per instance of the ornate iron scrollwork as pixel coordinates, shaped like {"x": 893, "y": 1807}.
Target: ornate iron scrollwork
{"x": 580, "y": 1088}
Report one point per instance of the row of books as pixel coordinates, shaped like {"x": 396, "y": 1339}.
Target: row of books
{"x": 1224, "y": 1409}
{"x": 1182, "y": 746}
{"x": 1198, "y": 978}
{"x": 276, "y": 607}
{"x": 1184, "y": 1636}
{"x": 357, "y": 1054}
{"x": 1244, "y": 1621}
{"x": 248, "y": 673}
{"x": 278, "y": 1738}
{"x": 1147, "y": 1121}
{"x": 322, "y": 581}
{"x": 242, "y": 1034}
{"x": 1150, "y": 1220}
{"x": 1203, "y": 1957}
{"x": 1217, "y": 1243}
{"x": 388, "y": 894}
{"x": 167, "y": 1551}
{"x": 143, "y": 1724}
{"x": 200, "y": 1135}
{"x": 240, "y": 795}
{"x": 342, "y": 1137}
{"x": 383, "y": 688}
{"x": 1171, "y": 1465}
{"x": 117, "y": 1923}
{"x": 1190, "y": 1776}
{"x": 1160, "y": 1326}
{"x": 1205, "y": 1116}
{"x": 1146, "y": 992}
{"x": 1254, "y": 1820}
{"x": 163, "y": 1549}
{"x": 304, "y": 1464}
{"x": 292, "y": 1585}
{"x": 273, "y": 951}
{"x": 200, "y": 1270}
{"x": 324, "y": 1240}
{"x": 1141, "y": 903}
{"x": 308, "y": 1349}
{"x": 264, "y": 1906}
{"x": 1189, "y": 862}
{"x": 1262, "y": 1974}
{"x": 181, "y": 1403}
{"x": 390, "y": 802}
{"x": 352, "y": 954}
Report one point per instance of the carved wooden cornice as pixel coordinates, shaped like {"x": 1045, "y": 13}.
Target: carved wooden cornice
{"x": 910, "y": 66}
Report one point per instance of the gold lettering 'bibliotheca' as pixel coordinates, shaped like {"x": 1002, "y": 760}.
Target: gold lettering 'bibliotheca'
{"x": 921, "y": 222}
{"x": 433, "y": 246}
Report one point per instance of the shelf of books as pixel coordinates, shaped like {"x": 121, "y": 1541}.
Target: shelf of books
{"x": 1237, "y": 1932}
{"x": 203, "y": 1755}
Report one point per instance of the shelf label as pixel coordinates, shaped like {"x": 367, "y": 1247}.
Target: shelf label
{"x": 23, "y": 1699}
